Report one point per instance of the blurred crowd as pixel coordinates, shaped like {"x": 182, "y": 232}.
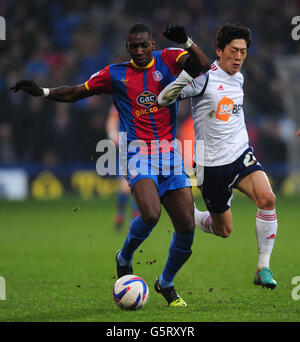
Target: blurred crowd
{"x": 64, "y": 42}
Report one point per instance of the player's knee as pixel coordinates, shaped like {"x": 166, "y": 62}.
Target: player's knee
{"x": 151, "y": 217}
{"x": 267, "y": 201}
{"x": 150, "y": 212}
{"x": 189, "y": 226}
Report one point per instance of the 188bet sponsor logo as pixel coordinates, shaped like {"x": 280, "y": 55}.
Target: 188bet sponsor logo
{"x": 226, "y": 108}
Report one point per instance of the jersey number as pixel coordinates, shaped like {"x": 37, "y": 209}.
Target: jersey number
{"x": 249, "y": 159}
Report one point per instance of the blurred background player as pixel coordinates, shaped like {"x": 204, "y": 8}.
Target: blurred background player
{"x": 186, "y": 135}
{"x": 135, "y": 86}
{"x": 228, "y": 161}
{"x": 123, "y": 193}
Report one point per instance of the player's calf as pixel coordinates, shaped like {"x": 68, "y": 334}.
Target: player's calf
{"x": 217, "y": 224}
{"x": 223, "y": 230}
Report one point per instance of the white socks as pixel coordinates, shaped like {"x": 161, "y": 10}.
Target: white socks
{"x": 203, "y": 220}
{"x": 266, "y": 230}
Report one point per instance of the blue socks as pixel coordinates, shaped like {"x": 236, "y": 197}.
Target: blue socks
{"x": 138, "y": 232}
{"x": 179, "y": 252}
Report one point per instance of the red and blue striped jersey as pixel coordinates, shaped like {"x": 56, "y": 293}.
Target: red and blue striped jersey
{"x": 135, "y": 91}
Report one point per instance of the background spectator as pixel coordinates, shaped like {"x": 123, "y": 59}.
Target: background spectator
{"x": 65, "y": 42}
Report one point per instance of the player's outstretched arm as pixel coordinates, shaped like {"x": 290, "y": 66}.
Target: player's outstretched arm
{"x": 171, "y": 92}
{"x": 60, "y": 94}
{"x": 196, "y": 62}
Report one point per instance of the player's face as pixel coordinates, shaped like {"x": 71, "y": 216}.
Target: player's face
{"x": 233, "y": 56}
{"x": 140, "y": 47}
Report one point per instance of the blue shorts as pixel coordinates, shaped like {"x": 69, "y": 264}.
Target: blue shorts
{"x": 218, "y": 181}
{"x": 165, "y": 169}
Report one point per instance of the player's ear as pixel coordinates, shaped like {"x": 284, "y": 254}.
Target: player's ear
{"x": 218, "y": 52}
{"x": 153, "y": 44}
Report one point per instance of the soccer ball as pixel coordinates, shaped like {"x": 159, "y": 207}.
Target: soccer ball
{"x": 130, "y": 292}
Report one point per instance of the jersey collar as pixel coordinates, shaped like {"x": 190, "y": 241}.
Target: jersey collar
{"x": 144, "y": 67}
{"x": 224, "y": 73}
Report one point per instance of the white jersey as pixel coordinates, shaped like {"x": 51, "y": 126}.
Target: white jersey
{"x": 217, "y": 110}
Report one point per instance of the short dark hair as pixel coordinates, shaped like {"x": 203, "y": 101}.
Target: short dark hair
{"x": 228, "y": 32}
{"x": 139, "y": 28}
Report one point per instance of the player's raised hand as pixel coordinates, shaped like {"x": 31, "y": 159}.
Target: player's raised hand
{"x": 29, "y": 87}
{"x": 176, "y": 33}
{"x": 192, "y": 68}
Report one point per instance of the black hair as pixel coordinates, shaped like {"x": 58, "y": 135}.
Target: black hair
{"x": 228, "y": 32}
{"x": 139, "y": 28}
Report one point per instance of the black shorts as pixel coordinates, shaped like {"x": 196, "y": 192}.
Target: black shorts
{"x": 218, "y": 181}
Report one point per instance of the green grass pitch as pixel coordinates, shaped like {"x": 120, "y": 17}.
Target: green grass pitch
{"x": 58, "y": 262}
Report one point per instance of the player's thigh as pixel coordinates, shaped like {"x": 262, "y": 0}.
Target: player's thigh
{"x": 179, "y": 204}
{"x": 257, "y": 186}
{"x": 222, "y": 223}
{"x": 147, "y": 199}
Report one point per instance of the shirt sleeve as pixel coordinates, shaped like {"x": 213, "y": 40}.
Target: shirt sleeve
{"x": 171, "y": 92}
{"x": 100, "y": 82}
{"x": 196, "y": 87}
{"x": 171, "y": 56}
